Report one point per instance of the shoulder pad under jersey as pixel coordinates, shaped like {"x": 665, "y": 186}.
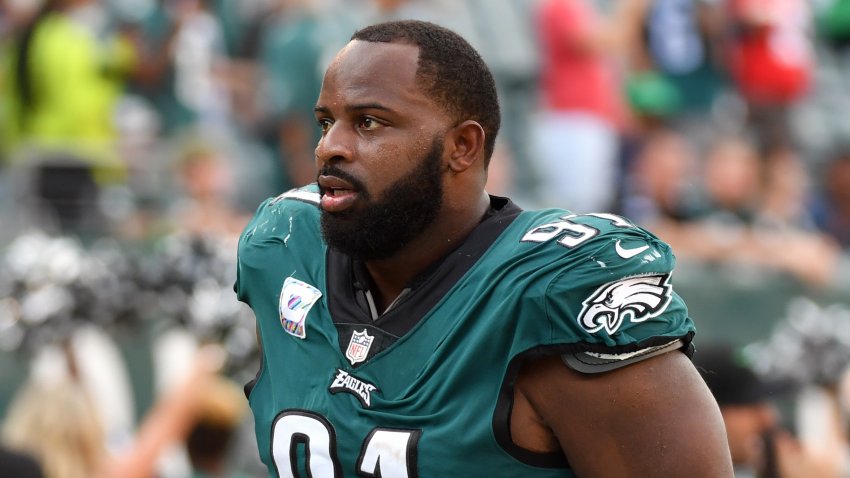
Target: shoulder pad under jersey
{"x": 609, "y": 288}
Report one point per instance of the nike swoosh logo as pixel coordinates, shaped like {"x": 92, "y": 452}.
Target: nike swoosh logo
{"x": 628, "y": 253}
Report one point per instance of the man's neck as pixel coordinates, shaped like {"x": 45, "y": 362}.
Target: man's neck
{"x": 391, "y": 276}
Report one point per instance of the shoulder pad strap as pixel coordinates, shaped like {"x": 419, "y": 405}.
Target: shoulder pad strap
{"x": 591, "y": 362}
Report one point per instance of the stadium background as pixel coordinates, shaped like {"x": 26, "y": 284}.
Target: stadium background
{"x": 146, "y": 132}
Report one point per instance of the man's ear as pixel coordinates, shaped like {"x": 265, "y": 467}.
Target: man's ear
{"x": 467, "y": 145}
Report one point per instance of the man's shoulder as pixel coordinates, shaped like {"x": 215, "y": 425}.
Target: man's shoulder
{"x": 290, "y": 217}
{"x": 308, "y": 196}
{"x": 598, "y": 275}
{"x": 595, "y": 241}
{"x": 299, "y": 203}
{"x": 565, "y": 264}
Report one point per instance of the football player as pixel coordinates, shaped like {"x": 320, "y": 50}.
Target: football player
{"x": 412, "y": 325}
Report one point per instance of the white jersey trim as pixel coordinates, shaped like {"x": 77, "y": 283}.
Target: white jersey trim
{"x": 306, "y": 196}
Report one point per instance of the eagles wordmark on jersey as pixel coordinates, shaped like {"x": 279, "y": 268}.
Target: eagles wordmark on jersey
{"x": 425, "y": 389}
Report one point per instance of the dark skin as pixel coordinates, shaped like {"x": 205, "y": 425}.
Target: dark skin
{"x": 377, "y": 130}
{"x": 653, "y": 418}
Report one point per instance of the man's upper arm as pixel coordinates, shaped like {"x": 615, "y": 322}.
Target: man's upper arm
{"x": 644, "y": 410}
{"x": 653, "y": 418}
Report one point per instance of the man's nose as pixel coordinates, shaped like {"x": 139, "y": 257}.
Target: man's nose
{"x": 335, "y": 145}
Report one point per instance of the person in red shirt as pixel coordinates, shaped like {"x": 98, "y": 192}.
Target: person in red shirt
{"x": 771, "y": 59}
{"x": 581, "y": 110}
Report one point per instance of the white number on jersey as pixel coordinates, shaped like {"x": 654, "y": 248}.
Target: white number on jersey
{"x": 386, "y": 452}
{"x": 571, "y": 233}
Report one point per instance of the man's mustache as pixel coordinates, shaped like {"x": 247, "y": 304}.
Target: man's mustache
{"x": 329, "y": 170}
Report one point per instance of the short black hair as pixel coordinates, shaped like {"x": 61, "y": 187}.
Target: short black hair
{"x": 449, "y": 69}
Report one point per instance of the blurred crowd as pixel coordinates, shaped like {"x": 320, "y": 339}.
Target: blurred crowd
{"x": 720, "y": 125}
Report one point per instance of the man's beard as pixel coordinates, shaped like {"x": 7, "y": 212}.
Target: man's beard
{"x": 383, "y": 226}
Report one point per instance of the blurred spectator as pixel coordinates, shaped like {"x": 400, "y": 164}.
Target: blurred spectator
{"x": 64, "y": 72}
{"x": 732, "y": 178}
{"x": 65, "y": 432}
{"x": 820, "y": 122}
{"x": 18, "y": 465}
{"x": 502, "y": 31}
{"x": 206, "y": 207}
{"x": 759, "y": 442}
{"x": 289, "y": 53}
{"x": 58, "y": 423}
{"x": 786, "y": 201}
{"x": 771, "y": 60}
{"x": 718, "y": 222}
{"x": 675, "y": 44}
{"x": 833, "y": 209}
{"x": 737, "y": 224}
{"x": 218, "y": 418}
{"x": 184, "y": 68}
{"x": 661, "y": 185}
{"x": 576, "y": 134}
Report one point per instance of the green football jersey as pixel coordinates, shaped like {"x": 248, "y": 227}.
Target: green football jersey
{"x": 425, "y": 389}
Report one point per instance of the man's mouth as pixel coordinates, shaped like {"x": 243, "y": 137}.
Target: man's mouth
{"x": 337, "y": 194}
{"x": 338, "y": 191}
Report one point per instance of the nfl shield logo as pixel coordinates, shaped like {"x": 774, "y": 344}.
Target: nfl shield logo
{"x": 358, "y": 347}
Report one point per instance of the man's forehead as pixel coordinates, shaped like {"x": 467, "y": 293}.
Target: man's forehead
{"x": 396, "y": 50}
{"x": 365, "y": 62}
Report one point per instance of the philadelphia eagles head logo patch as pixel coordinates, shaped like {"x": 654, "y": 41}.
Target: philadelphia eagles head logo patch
{"x": 635, "y": 298}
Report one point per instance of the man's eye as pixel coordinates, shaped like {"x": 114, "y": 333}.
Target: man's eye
{"x": 324, "y": 124}
{"x": 368, "y": 123}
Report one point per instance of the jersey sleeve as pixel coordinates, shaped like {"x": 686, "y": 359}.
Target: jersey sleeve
{"x": 614, "y": 300}
{"x": 251, "y": 226}
{"x": 282, "y": 230}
